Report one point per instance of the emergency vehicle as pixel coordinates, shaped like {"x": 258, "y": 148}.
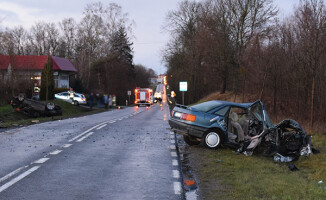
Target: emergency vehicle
{"x": 143, "y": 96}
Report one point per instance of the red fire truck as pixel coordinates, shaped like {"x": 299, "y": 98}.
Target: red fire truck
{"x": 143, "y": 96}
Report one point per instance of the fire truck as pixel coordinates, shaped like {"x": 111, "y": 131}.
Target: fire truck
{"x": 143, "y": 96}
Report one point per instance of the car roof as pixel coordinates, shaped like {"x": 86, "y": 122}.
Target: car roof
{"x": 242, "y": 105}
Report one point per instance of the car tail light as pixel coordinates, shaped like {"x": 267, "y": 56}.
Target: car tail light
{"x": 172, "y": 112}
{"x": 188, "y": 117}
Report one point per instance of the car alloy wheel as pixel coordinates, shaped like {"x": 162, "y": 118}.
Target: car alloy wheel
{"x": 212, "y": 140}
{"x": 50, "y": 106}
{"x": 21, "y": 97}
{"x": 76, "y": 103}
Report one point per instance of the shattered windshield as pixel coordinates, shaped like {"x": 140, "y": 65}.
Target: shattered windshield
{"x": 268, "y": 122}
{"x": 261, "y": 114}
{"x": 257, "y": 111}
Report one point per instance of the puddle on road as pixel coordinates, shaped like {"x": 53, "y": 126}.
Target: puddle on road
{"x": 189, "y": 184}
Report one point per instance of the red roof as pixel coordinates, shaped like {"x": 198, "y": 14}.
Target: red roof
{"x": 35, "y": 63}
{"x": 4, "y": 62}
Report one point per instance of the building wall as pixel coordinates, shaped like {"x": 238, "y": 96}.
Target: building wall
{"x": 63, "y": 80}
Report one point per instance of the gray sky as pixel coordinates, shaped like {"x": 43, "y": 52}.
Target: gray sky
{"x": 149, "y": 17}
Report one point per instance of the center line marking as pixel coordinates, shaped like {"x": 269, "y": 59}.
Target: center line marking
{"x": 18, "y": 178}
{"x": 41, "y": 160}
{"x": 66, "y": 145}
{"x": 55, "y": 152}
{"x": 104, "y": 125}
{"x": 86, "y": 136}
{"x": 12, "y": 173}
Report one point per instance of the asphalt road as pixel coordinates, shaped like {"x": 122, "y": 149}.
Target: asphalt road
{"x": 124, "y": 154}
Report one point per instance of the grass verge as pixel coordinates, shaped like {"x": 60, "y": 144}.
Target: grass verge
{"x": 11, "y": 118}
{"x": 223, "y": 175}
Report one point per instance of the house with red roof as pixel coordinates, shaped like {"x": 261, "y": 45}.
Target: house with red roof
{"x": 30, "y": 68}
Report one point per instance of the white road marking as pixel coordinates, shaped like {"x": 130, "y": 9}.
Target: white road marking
{"x": 175, "y": 174}
{"x": 174, "y": 162}
{"x": 171, "y": 136}
{"x": 86, "y": 136}
{"x": 177, "y": 187}
{"x": 66, "y": 145}
{"x": 41, "y": 160}
{"x": 172, "y": 147}
{"x": 18, "y": 178}
{"x": 80, "y": 135}
{"x": 171, "y": 133}
{"x": 173, "y": 154}
{"x": 56, "y": 152}
{"x": 172, "y": 141}
{"x": 120, "y": 119}
{"x": 104, "y": 125}
{"x": 12, "y": 173}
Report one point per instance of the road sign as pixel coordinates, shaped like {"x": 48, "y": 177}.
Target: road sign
{"x": 129, "y": 92}
{"x": 183, "y": 86}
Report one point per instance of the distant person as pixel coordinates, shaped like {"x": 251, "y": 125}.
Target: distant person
{"x": 91, "y": 100}
{"x": 110, "y": 101}
{"x": 105, "y": 100}
{"x": 98, "y": 100}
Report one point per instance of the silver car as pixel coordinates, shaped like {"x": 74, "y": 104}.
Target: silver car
{"x": 78, "y": 98}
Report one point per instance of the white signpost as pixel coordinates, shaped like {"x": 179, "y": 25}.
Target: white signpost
{"x": 129, "y": 94}
{"x": 183, "y": 87}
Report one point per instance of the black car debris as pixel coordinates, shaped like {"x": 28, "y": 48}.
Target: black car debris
{"x": 243, "y": 126}
{"x": 34, "y": 108}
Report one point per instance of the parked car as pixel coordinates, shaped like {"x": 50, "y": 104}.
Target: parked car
{"x": 34, "y": 108}
{"x": 78, "y": 98}
{"x": 239, "y": 125}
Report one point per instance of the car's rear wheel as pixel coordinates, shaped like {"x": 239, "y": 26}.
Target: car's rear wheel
{"x": 191, "y": 140}
{"x": 212, "y": 139}
{"x": 76, "y": 103}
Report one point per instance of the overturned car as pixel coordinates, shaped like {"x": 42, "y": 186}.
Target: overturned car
{"x": 34, "y": 108}
{"x": 243, "y": 126}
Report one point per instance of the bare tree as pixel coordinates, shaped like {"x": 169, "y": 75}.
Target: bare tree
{"x": 311, "y": 27}
{"x": 69, "y": 29}
{"x": 19, "y": 35}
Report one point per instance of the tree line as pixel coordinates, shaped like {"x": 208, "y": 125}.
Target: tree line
{"x": 99, "y": 46}
{"x": 245, "y": 48}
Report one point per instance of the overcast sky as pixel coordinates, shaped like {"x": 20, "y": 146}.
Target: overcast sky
{"x": 149, "y": 17}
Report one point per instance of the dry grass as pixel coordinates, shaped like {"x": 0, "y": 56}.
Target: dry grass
{"x": 224, "y": 175}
